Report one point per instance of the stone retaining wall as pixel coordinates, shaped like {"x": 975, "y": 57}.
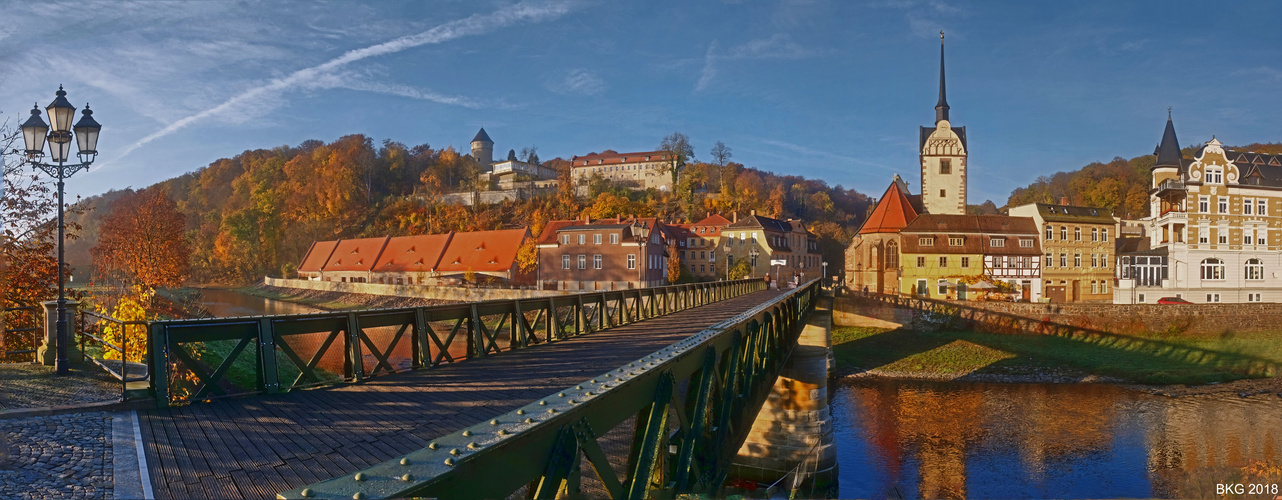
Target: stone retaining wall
{"x": 424, "y": 292}
{"x": 1192, "y": 319}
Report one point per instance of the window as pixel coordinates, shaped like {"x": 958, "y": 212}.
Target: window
{"x": 1254, "y": 269}
{"x": 565, "y": 262}
{"x": 582, "y": 238}
{"x": 892, "y": 255}
{"x": 1063, "y": 233}
{"x": 1254, "y": 297}
{"x": 943, "y": 193}
{"x": 1103, "y": 287}
{"x": 1077, "y": 234}
{"x": 1203, "y": 235}
{"x": 712, "y": 256}
{"x": 1050, "y": 233}
{"x": 1094, "y": 261}
{"x": 1050, "y": 260}
{"x": 1094, "y": 236}
{"x": 701, "y": 268}
{"x": 945, "y": 167}
{"x": 1261, "y": 208}
{"x": 943, "y": 290}
{"x": 1103, "y": 234}
{"x": 943, "y": 261}
{"x": 955, "y": 241}
{"x": 1094, "y": 288}
{"x": 926, "y": 241}
{"x": 1246, "y": 238}
{"x": 1063, "y": 260}
{"x": 1259, "y": 237}
{"x": 1212, "y": 269}
{"x": 596, "y": 239}
{"x": 1247, "y": 204}
{"x": 565, "y": 239}
{"x": 1077, "y": 260}
{"x": 997, "y": 242}
{"x": 1215, "y": 176}
{"x": 1224, "y": 239}
{"x": 1025, "y": 243}
{"x": 965, "y": 261}
{"x": 596, "y": 261}
{"x": 1212, "y": 297}
{"x": 614, "y": 239}
{"x": 632, "y": 261}
{"x": 1204, "y": 204}
{"x": 1103, "y": 260}
{"x": 921, "y": 262}
{"x": 1224, "y": 204}
{"x": 1027, "y": 262}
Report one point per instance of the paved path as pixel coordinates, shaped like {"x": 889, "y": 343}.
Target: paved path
{"x": 256, "y": 447}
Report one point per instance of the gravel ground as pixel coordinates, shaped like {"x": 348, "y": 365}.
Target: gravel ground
{"x": 61, "y": 456}
{"x": 26, "y": 385}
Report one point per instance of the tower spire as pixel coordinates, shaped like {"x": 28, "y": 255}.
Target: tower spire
{"x": 941, "y": 108}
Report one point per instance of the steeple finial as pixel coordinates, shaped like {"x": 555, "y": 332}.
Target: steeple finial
{"x": 941, "y": 108}
{"x": 1168, "y": 112}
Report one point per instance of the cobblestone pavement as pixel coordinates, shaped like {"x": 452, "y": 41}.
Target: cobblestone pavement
{"x": 61, "y": 456}
{"x": 27, "y": 385}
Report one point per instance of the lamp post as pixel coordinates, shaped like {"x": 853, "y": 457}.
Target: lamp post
{"x": 35, "y": 134}
{"x": 752, "y": 254}
{"x": 825, "y": 277}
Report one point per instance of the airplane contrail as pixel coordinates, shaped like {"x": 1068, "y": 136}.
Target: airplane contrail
{"x": 476, "y": 24}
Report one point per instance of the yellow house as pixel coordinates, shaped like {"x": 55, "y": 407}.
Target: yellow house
{"x": 940, "y": 249}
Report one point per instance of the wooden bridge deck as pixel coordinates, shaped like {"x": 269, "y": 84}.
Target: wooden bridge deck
{"x": 256, "y": 447}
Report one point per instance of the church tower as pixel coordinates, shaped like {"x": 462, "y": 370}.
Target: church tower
{"x": 943, "y": 157}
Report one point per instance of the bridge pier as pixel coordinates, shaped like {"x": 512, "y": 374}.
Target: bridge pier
{"x": 791, "y": 441}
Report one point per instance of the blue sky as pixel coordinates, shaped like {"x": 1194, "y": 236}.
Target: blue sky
{"x": 834, "y": 90}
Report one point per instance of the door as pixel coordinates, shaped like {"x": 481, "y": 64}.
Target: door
{"x": 921, "y": 287}
{"x": 1077, "y": 290}
{"x": 961, "y": 291}
{"x": 1028, "y": 290}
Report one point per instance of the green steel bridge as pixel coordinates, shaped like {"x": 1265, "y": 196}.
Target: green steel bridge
{"x": 625, "y": 394}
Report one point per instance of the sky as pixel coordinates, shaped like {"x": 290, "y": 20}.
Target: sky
{"x": 834, "y": 90}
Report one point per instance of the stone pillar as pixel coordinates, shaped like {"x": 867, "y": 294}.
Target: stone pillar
{"x": 792, "y": 436}
{"x": 47, "y": 352}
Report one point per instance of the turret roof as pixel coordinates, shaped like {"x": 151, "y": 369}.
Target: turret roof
{"x": 482, "y": 137}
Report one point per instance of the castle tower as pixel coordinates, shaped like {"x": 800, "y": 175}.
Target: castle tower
{"x": 483, "y": 148}
{"x": 943, "y": 157}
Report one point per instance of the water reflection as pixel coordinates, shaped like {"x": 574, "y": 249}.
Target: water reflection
{"x": 956, "y": 440}
{"x": 228, "y": 303}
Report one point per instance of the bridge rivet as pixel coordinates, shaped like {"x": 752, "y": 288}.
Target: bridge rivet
{"x": 358, "y": 496}
{"x": 454, "y": 451}
{"x": 360, "y": 476}
{"x": 561, "y": 395}
{"x": 432, "y": 446}
{"x": 307, "y": 492}
{"x": 405, "y": 461}
{"x": 407, "y": 478}
{"x": 593, "y": 381}
{"x": 520, "y": 412}
{"x": 449, "y": 461}
{"x": 589, "y": 393}
{"x": 529, "y": 420}
{"x": 551, "y": 410}
{"x": 467, "y": 433}
{"x": 573, "y": 402}
{"x": 578, "y": 387}
{"x": 494, "y": 422}
{"x": 502, "y": 432}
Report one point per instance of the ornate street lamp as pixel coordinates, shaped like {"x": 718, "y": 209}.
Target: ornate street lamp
{"x": 36, "y": 134}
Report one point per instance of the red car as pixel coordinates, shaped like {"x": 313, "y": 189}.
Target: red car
{"x": 1172, "y": 300}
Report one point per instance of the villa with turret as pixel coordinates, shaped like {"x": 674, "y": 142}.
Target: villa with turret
{"x": 1215, "y": 233}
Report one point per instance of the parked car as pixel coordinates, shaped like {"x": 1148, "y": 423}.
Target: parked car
{"x": 1172, "y": 300}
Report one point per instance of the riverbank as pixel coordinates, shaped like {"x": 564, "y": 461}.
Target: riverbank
{"x": 1244, "y": 364}
{"x": 335, "y": 301}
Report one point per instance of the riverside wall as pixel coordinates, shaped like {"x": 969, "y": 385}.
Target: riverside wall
{"x": 458, "y": 294}
{"x": 1191, "y": 319}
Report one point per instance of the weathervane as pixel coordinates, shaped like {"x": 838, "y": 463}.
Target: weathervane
{"x": 941, "y": 36}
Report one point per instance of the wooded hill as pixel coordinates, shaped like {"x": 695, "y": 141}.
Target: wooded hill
{"x": 257, "y": 213}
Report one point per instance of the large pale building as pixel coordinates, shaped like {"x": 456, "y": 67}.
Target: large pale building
{"x": 943, "y": 157}
{"x": 1077, "y": 246}
{"x": 1215, "y": 229}
{"x": 642, "y": 170}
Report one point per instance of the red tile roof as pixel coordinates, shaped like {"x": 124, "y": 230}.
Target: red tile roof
{"x": 317, "y": 256}
{"x": 713, "y": 220}
{"x": 893, "y": 212}
{"x": 413, "y": 253}
{"x": 355, "y": 255}
{"x": 482, "y": 251}
{"x": 609, "y": 157}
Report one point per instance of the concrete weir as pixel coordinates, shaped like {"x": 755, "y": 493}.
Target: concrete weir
{"x": 791, "y": 443}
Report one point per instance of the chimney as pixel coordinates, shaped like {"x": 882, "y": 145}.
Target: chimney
{"x": 754, "y": 212}
{"x": 736, "y": 216}
{"x": 1063, "y": 200}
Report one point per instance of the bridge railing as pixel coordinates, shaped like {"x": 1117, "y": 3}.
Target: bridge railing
{"x": 21, "y": 327}
{"x": 195, "y": 360}
{"x": 661, "y": 426}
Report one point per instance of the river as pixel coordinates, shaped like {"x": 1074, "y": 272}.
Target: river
{"x": 955, "y": 440}
{"x": 227, "y": 303}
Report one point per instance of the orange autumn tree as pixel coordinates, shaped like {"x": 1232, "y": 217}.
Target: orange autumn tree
{"x": 141, "y": 242}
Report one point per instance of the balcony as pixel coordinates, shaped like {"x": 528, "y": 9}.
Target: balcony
{"x": 1170, "y": 186}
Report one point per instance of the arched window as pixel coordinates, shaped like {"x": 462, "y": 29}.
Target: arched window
{"x": 1212, "y": 269}
{"x": 892, "y": 255}
{"x": 1254, "y": 269}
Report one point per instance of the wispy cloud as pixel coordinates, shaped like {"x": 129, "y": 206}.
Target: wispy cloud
{"x": 352, "y": 81}
{"x": 1266, "y": 73}
{"x": 827, "y": 157}
{"x": 579, "y": 81}
{"x": 473, "y": 25}
{"x": 778, "y": 46}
